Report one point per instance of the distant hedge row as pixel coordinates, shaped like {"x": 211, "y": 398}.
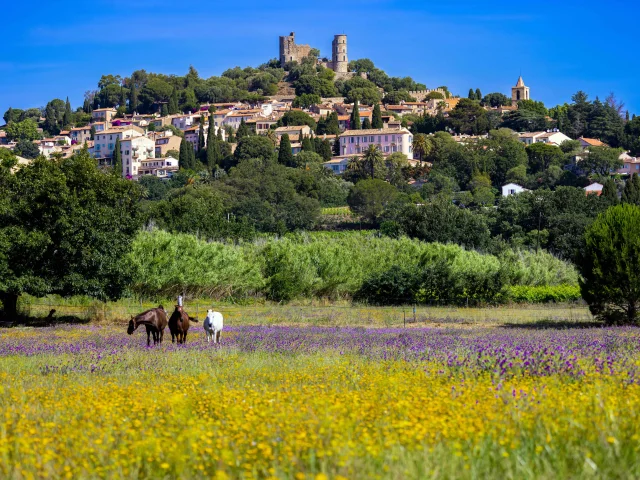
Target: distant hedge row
{"x": 350, "y": 265}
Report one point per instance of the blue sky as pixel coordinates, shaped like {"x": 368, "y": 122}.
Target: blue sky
{"x": 61, "y": 48}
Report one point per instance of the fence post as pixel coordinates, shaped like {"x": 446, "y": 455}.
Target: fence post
{"x": 404, "y": 318}
{"x": 414, "y": 314}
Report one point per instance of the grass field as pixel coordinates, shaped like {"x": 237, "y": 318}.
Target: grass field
{"x": 462, "y": 393}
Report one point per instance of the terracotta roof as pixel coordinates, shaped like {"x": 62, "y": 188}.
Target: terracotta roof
{"x": 593, "y": 142}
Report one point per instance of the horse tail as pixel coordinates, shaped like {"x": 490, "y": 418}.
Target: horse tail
{"x": 191, "y": 319}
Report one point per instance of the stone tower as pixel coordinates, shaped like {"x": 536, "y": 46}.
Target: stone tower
{"x": 340, "y": 61}
{"x": 290, "y": 52}
{"x": 519, "y": 92}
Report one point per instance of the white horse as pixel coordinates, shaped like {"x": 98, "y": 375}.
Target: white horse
{"x": 213, "y": 325}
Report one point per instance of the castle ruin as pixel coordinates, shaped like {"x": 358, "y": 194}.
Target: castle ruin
{"x": 290, "y": 52}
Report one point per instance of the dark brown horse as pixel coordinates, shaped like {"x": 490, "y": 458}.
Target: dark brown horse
{"x": 155, "y": 320}
{"x": 179, "y": 325}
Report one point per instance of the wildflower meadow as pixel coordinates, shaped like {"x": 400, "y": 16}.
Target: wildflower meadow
{"x": 89, "y": 401}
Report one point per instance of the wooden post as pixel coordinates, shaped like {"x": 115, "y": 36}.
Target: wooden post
{"x": 414, "y": 314}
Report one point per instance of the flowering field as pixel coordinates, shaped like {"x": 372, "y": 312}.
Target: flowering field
{"x": 304, "y": 402}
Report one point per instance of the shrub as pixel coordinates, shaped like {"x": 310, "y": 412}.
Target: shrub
{"x": 543, "y": 293}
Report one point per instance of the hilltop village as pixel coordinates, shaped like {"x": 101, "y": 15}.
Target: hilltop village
{"x": 339, "y": 109}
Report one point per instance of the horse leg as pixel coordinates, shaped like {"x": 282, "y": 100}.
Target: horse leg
{"x": 148, "y": 337}
{"x": 173, "y": 337}
{"x": 184, "y": 337}
{"x": 218, "y": 333}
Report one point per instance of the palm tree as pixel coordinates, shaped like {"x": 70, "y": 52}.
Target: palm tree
{"x": 372, "y": 159}
{"x": 421, "y": 145}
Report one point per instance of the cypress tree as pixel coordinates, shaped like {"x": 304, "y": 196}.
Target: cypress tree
{"x": 92, "y": 132}
{"x": 285, "y": 156}
{"x": 220, "y": 138}
{"x": 243, "y": 130}
{"x": 186, "y": 149}
{"x": 201, "y": 135}
{"x": 9, "y": 116}
{"x": 366, "y": 124}
{"x": 333, "y": 125}
{"x": 355, "y": 117}
{"x": 165, "y": 110}
{"x": 307, "y": 144}
{"x": 336, "y": 146}
{"x": 377, "y": 117}
{"x": 117, "y": 159}
{"x": 626, "y": 116}
{"x": 213, "y": 149}
{"x": 325, "y": 150}
{"x": 610, "y": 192}
{"x": 133, "y": 98}
{"x": 173, "y": 103}
{"x": 472, "y": 94}
{"x": 123, "y": 99}
{"x": 67, "y": 113}
{"x": 631, "y": 192}
{"x": 478, "y": 95}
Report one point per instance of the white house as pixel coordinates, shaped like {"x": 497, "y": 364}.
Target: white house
{"x": 158, "y": 167}
{"x": 552, "y": 138}
{"x": 595, "y": 188}
{"x": 104, "y": 142}
{"x": 512, "y": 189}
{"x": 135, "y": 150}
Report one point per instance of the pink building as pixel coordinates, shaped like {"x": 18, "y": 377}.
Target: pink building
{"x": 388, "y": 140}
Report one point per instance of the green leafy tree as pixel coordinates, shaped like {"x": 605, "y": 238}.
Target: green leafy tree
{"x": 133, "y": 99}
{"x": 472, "y": 94}
{"x": 285, "y": 155}
{"x": 254, "y": 146}
{"x": 24, "y": 130}
{"x": 601, "y": 160}
{"x": 117, "y": 159}
{"x": 214, "y": 157}
{"x": 325, "y": 150}
{"x": 478, "y": 95}
{"x": 26, "y": 149}
{"x": 542, "y": 156}
{"x": 369, "y": 198}
{"x": 366, "y": 124}
{"x": 68, "y": 116}
{"x": 76, "y": 242}
{"x": 336, "y": 146}
{"x": 296, "y": 118}
{"x": 201, "y": 141}
{"x": 376, "y": 121}
{"x": 468, "y": 117}
{"x": 306, "y": 100}
{"x": 496, "y": 100}
{"x": 165, "y": 110}
{"x": 354, "y": 121}
{"x": 307, "y": 144}
{"x": 610, "y": 265}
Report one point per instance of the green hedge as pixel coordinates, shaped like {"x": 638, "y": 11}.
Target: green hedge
{"x": 543, "y": 293}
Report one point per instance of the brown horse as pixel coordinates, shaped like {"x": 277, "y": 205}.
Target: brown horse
{"x": 155, "y": 320}
{"x": 179, "y": 325}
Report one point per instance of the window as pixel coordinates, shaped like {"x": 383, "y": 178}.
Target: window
{"x": 379, "y": 139}
{"x": 111, "y": 146}
{"x": 386, "y": 149}
{"x": 386, "y": 138}
{"x": 351, "y": 139}
{"x": 126, "y": 152}
{"x": 372, "y": 139}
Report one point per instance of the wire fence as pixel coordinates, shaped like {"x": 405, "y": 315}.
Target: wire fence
{"x": 340, "y": 315}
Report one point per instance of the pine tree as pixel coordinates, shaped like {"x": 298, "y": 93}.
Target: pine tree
{"x": 631, "y": 192}
{"x": 377, "y": 117}
{"x": 133, "y": 98}
{"x": 67, "y": 113}
{"x": 201, "y": 135}
{"x": 9, "y": 116}
{"x": 366, "y": 124}
{"x": 117, "y": 159}
{"x": 478, "y": 95}
{"x": 186, "y": 150}
{"x": 307, "y": 144}
{"x": 610, "y": 192}
{"x": 336, "y": 146}
{"x": 472, "y": 94}
{"x": 173, "y": 102}
{"x": 626, "y": 116}
{"x": 355, "y": 117}
{"x": 285, "y": 156}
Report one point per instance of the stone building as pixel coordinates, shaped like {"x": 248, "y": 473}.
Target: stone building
{"x": 519, "y": 92}
{"x": 290, "y": 52}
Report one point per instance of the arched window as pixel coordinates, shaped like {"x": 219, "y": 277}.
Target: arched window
{"x": 518, "y": 95}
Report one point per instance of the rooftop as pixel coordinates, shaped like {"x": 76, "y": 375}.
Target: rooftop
{"x": 376, "y": 131}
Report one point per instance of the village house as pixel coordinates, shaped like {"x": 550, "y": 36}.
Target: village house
{"x": 512, "y": 189}
{"x": 337, "y": 165}
{"x": 594, "y": 188}
{"x": 390, "y": 140}
{"x": 235, "y": 118}
{"x": 166, "y": 141}
{"x": 105, "y": 142}
{"x": 261, "y": 125}
{"x": 158, "y": 167}
{"x": 104, "y": 115}
{"x": 192, "y": 135}
{"x": 553, "y": 137}
{"x": 630, "y": 165}
{"x": 585, "y": 143}
{"x": 293, "y": 130}
{"x": 79, "y": 135}
{"x": 184, "y": 122}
